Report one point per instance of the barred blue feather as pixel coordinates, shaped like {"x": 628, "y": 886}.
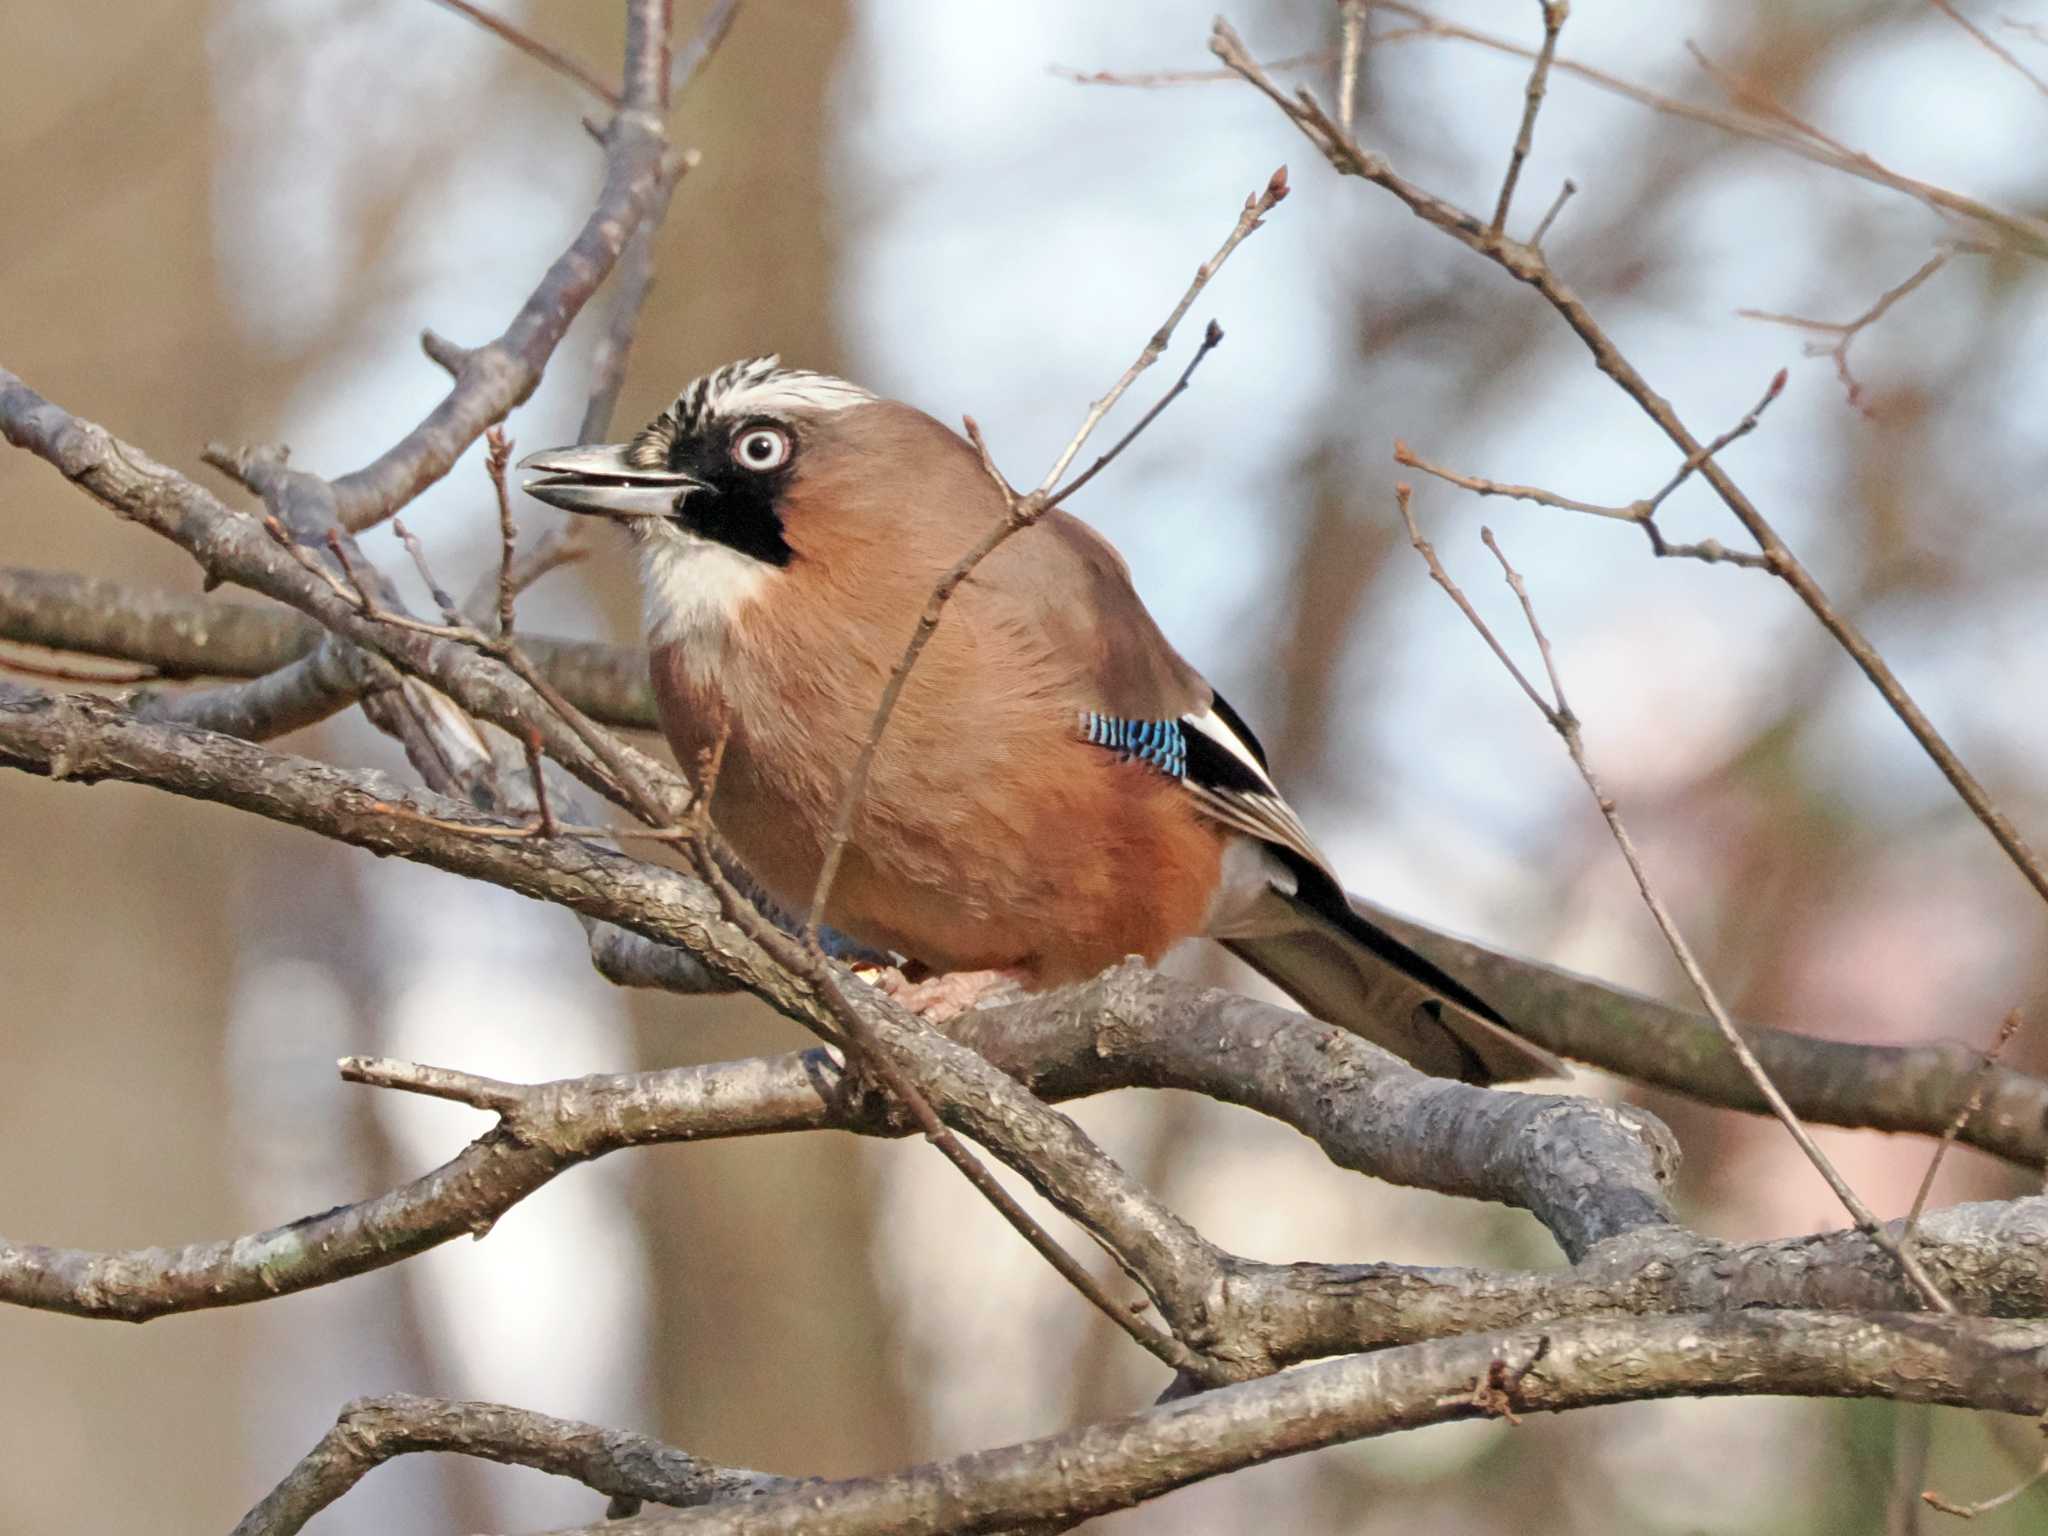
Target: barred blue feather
{"x": 1158, "y": 742}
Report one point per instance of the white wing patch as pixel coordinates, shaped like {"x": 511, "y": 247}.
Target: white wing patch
{"x": 1217, "y": 729}
{"x": 1262, "y": 815}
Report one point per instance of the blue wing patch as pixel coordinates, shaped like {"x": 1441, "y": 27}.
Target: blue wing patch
{"x": 1158, "y": 742}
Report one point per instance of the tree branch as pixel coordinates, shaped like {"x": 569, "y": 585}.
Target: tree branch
{"x": 1121, "y": 1462}
{"x": 1528, "y": 265}
{"x": 373, "y": 1430}
{"x": 493, "y": 379}
{"x": 1919, "y": 1089}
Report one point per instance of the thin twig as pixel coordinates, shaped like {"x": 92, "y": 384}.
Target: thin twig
{"x": 641, "y": 800}
{"x": 1554, "y": 13}
{"x": 456, "y": 626}
{"x": 498, "y": 456}
{"x": 534, "y": 771}
{"x": 53, "y": 672}
{"x": 1150, "y": 79}
{"x": 1564, "y": 195}
{"x": 1700, "y": 456}
{"x": 1403, "y": 499}
{"x": 1754, "y": 95}
{"x": 807, "y": 958}
{"x": 1847, "y": 331}
{"x": 691, "y": 58}
{"x": 1997, "y": 49}
{"x": 1985, "y": 1506}
{"x": 1352, "y": 47}
{"x": 2007, "y": 1028}
{"x": 2022, "y": 233}
{"x": 534, "y": 48}
{"x": 489, "y": 1093}
{"x": 804, "y": 959}
{"x": 1527, "y": 265}
{"x": 1643, "y": 513}
{"x": 1019, "y": 513}
{"x": 1256, "y": 207}
{"x": 1558, "y": 713}
{"x": 1212, "y": 338}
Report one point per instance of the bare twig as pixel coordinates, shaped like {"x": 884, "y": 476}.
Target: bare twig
{"x": 1847, "y": 331}
{"x": 1351, "y": 49}
{"x": 646, "y": 802}
{"x": 1021, "y": 512}
{"x": 805, "y": 959}
{"x": 374, "y": 1430}
{"x": 57, "y": 672}
{"x": 2008, "y": 1027}
{"x": 1528, "y": 265}
{"x": 1554, "y": 13}
{"x": 1212, "y": 338}
{"x": 1643, "y": 513}
{"x": 2021, "y": 232}
{"x": 502, "y": 373}
{"x": 1558, "y": 714}
{"x": 534, "y": 48}
{"x": 691, "y": 58}
{"x": 1564, "y": 195}
{"x": 1256, "y": 207}
{"x": 535, "y": 771}
{"x": 495, "y": 461}
{"x": 1991, "y": 44}
{"x": 1154, "y": 78}
{"x": 1996, "y": 1501}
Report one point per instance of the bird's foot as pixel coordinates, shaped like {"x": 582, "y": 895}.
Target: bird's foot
{"x": 940, "y": 998}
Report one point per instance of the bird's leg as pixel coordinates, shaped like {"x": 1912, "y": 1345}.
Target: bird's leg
{"x": 942, "y": 997}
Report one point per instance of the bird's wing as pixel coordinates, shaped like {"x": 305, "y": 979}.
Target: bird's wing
{"x": 1139, "y": 697}
{"x": 1293, "y": 923}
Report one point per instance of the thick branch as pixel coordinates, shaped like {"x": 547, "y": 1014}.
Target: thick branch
{"x": 88, "y": 738}
{"x": 1120, "y": 1462}
{"x": 233, "y": 546}
{"x": 1588, "y": 1171}
{"x": 1912, "y": 1089}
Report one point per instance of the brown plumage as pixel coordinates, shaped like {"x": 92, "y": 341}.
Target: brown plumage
{"x": 962, "y": 854}
{"x": 792, "y": 528}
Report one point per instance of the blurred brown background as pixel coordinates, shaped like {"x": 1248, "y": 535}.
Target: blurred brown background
{"x": 227, "y": 219}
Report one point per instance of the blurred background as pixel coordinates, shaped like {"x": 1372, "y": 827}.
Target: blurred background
{"x": 229, "y": 219}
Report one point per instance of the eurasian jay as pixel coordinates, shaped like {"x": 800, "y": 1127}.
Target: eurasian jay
{"x": 1057, "y": 789}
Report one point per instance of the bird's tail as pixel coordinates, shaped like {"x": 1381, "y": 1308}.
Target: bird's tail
{"x": 1349, "y": 972}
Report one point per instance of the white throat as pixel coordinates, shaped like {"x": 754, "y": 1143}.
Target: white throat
{"x": 694, "y": 591}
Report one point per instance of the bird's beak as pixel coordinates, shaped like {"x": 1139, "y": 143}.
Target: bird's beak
{"x": 599, "y": 478}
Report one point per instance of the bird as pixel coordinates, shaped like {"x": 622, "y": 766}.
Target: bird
{"x": 1056, "y": 790}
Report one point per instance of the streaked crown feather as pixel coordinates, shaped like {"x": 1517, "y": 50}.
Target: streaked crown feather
{"x": 754, "y": 386}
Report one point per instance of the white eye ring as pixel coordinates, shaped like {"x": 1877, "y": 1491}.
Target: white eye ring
{"x": 761, "y": 449}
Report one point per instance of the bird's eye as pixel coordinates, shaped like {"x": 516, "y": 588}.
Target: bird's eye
{"x": 762, "y": 449}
